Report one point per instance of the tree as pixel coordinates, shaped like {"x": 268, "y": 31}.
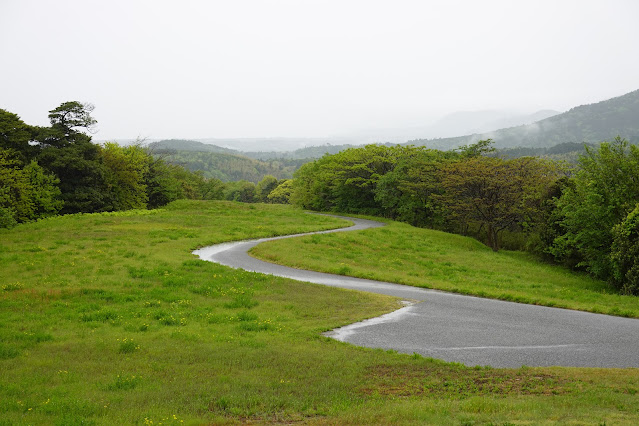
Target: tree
{"x": 126, "y": 168}
{"x": 281, "y": 194}
{"x": 264, "y": 188}
{"x": 15, "y": 135}
{"x": 345, "y": 181}
{"x": 45, "y": 193}
{"x": 15, "y": 190}
{"x": 477, "y": 149}
{"x": 495, "y": 194}
{"x": 26, "y": 193}
{"x": 602, "y": 193}
{"x": 624, "y": 254}
{"x": 406, "y": 192}
{"x": 242, "y": 191}
{"x": 83, "y": 177}
{"x": 71, "y": 115}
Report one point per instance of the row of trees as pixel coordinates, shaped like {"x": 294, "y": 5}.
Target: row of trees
{"x": 52, "y": 170}
{"x": 45, "y": 171}
{"x": 585, "y": 217}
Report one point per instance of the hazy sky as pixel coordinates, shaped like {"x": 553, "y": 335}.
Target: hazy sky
{"x": 251, "y": 68}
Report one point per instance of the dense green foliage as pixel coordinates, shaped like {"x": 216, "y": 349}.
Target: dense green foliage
{"x": 602, "y": 193}
{"x": 108, "y": 319}
{"x": 532, "y": 203}
{"x": 46, "y": 171}
{"x": 444, "y": 190}
{"x": 587, "y": 123}
{"x": 624, "y": 254}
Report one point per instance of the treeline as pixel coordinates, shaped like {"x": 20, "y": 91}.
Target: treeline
{"x": 45, "y": 171}
{"x": 585, "y": 217}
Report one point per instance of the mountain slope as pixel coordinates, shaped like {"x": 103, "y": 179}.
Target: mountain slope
{"x": 188, "y": 145}
{"x": 587, "y": 123}
{"x": 221, "y": 163}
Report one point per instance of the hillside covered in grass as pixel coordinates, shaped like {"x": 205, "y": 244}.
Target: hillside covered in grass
{"x": 427, "y": 258}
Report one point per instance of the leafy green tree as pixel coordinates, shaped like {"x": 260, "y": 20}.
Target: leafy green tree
{"x": 242, "y": 191}
{"x": 211, "y": 189}
{"x": 624, "y": 254}
{"x": 69, "y": 153}
{"x": 83, "y": 177}
{"x": 71, "y": 115}
{"x": 282, "y": 193}
{"x": 26, "y": 193}
{"x": 604, "y": 190}
{"x": 406, "y": 192}
{"x": 345, "y": 181}
{"x": 162, "y": 184}
{"x": 495, "y": 194}
{"x": 264, "y": 188}
{"x": 477, "y": 149}
{"x": 15, "y": 190}
{"x": 45, "y": 193}
{"x": 15, "y": 135}
{"x": 126, "y": 168}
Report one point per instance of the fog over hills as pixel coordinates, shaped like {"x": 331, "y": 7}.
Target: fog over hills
{"x": 586, "y": 123}
{"x": 454, "y": 124}
{"x": 546, "y": 128}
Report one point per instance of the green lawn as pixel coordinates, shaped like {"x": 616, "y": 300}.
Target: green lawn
{"x": 109, "y": 319}
{"x": 421, "y": 257}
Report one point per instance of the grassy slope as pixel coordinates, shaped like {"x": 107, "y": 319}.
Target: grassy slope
{"x": 108, "y": 319}
{"x": 433, "y": 259}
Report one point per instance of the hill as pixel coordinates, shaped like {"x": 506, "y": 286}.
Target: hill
{"x": 221, "y": 163}
{"x": 591, "y": 123}
{"x": 188, "y": 145}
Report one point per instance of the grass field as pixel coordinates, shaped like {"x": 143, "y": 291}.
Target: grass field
{"x": 421, "y": 257}
{"x": 109, "y": 319}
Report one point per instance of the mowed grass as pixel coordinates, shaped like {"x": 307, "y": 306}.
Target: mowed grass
{"x": 109, "y": 319}
{"x": 419, "y": 257}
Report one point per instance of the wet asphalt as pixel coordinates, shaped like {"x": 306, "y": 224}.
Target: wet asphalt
{"x": 464, "y": 329}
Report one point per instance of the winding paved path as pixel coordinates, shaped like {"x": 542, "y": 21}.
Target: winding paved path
{"x": 465, "y": 329}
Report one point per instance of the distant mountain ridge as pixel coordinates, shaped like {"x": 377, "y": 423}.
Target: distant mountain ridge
{"x": 591, "y": 123}
{"x": 221, "y": 163}
{"x": 188, "y": 145}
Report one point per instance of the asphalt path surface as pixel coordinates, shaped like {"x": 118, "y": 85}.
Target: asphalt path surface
{"x": 465, "y": 329}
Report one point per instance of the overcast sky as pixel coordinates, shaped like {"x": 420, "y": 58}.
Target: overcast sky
{"x": 253, "y": 68}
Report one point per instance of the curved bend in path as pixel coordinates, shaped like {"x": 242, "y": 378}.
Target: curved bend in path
{"x": 465, "y": 329}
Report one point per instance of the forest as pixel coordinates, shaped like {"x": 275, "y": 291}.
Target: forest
{"x": 583, "y": 215}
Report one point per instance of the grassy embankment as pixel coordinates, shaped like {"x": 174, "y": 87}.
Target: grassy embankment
{"x": 109, "y": 319}
{"x": 420, "y": 257}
